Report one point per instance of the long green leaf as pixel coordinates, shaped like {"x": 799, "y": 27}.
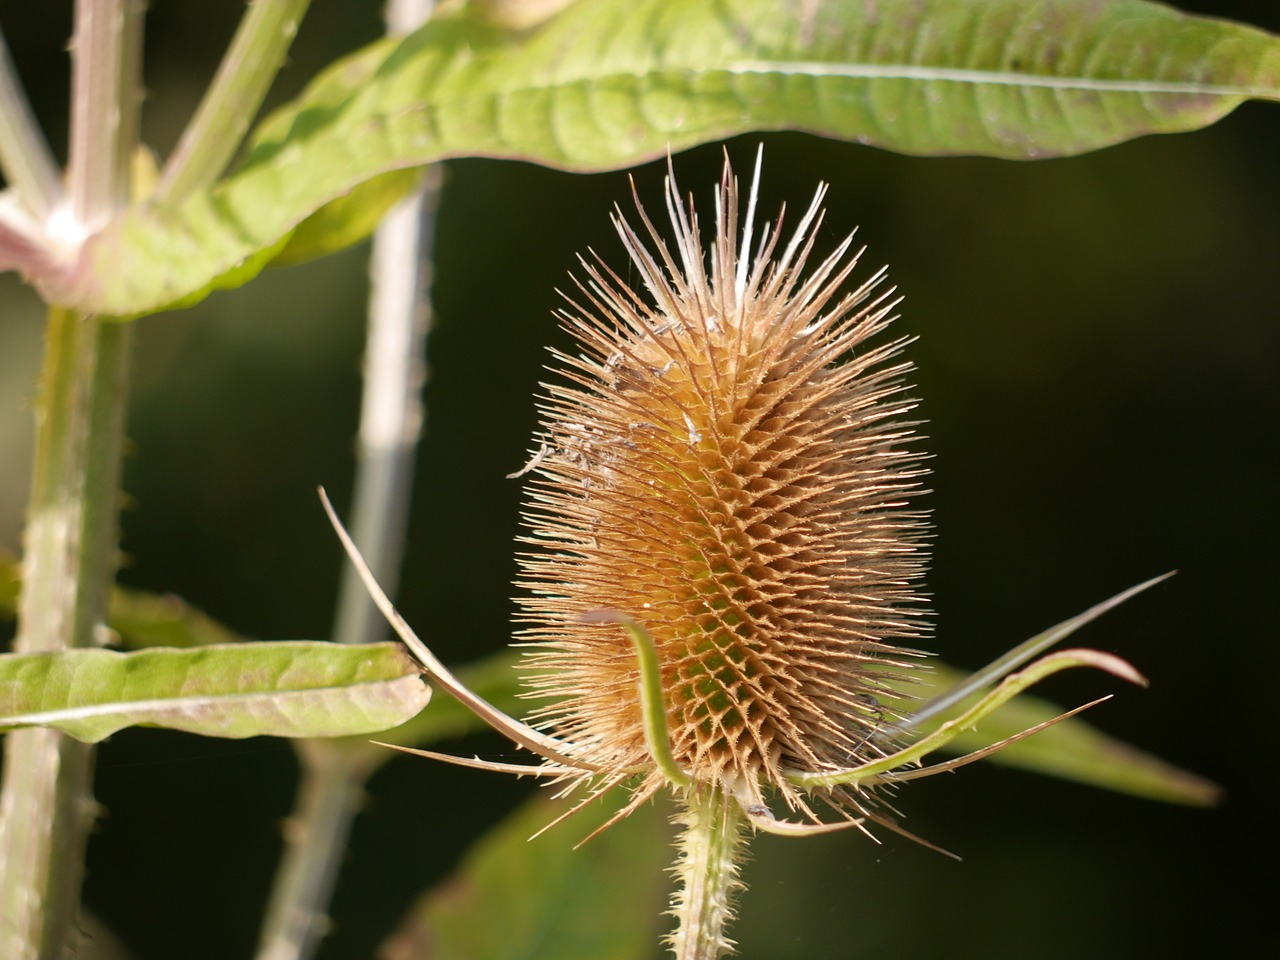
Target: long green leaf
{"x": 519, "y": 899}
{"x": 607, "y": 83}
{"x": 295, "y": 689}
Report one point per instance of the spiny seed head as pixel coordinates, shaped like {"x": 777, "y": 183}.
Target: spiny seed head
{"x": 728, "y": 466}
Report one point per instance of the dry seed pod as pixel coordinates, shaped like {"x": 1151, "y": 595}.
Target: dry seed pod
{"x": 730, "y": 468}
{"x": 724, "y": 556}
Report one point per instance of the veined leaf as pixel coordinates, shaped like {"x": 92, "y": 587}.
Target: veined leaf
{"x": 519, "y": 899}
{"x": 608, "y": 83}
{"x": 295, "y": 689}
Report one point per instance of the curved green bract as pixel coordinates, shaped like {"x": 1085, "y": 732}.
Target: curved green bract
{"x": 873, "y": 771}
{"x": 295, "y": 689}
{"x": 608, "y": 83}
{"x": 1072, "y": 750}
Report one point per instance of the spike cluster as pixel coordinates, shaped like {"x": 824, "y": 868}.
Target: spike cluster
{"x": 728, "y": 467}
{"x": 724, "y": 554}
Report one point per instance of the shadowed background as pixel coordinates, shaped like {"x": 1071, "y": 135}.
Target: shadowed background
{"x": 1097, "y": 357}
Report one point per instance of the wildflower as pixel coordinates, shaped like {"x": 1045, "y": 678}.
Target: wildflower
{"x": 725, "y": 554}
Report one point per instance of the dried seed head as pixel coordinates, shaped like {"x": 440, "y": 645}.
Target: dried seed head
{"x": 729, "y": 467}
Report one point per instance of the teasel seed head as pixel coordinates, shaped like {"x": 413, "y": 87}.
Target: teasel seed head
{"x": 729, "y": 466}
{"x": 725, "y": 553}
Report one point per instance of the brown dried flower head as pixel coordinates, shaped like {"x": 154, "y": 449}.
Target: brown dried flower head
{"x": 730, "y": 469}
{"x": 724, "y": 553}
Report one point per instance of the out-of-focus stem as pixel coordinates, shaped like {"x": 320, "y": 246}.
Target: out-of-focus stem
{"x": 392, "y": 415}
{"x": 70, "y": 539}
{"x": 392, "y": 410}
{"x": 24, "y": 153}
{"x": 250, "y": 65}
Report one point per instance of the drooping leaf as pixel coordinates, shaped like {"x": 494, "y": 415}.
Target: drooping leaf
{"x": 608, "y": 83}
{"x": 519, "y": 899}
{"x": 1073, "y": 749}
{"x": 294, "y": 689}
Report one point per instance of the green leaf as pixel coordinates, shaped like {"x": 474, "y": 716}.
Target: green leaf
{"x": 139, "y": 618}
{"x": 494, "y": 678}
{"x": 348, "y": 219}
{"x": 295, "y": 689}
{"x": 163, "y": 620}
{"x": 519, "y": 899}
{"x": 608, "y": 83}
{"x": 1072, "y": 749}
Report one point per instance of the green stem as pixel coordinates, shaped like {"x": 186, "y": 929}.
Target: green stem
{"x": 106, "y": 91}
{"x": 232, "y": 100}
{"x": 70, "y": 540}
{"x": 329, "y": 797}
{"x": 710, "y": 848}
{"x": 391, "y": 418}
{"x": 24, "y": 153}
{"x": 45, "y": 803}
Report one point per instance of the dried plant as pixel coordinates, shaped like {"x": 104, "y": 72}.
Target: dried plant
{"x": 723, "y": 582}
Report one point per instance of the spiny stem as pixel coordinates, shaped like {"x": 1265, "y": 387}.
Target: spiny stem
{"x": 46, "y": 806}
{"x": 232, "y": 100}
{"x": 710, "y": 849}
{"x": 70, "y": 553}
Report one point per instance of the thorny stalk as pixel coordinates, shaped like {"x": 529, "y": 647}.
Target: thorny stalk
{"x": 70, "y": 540}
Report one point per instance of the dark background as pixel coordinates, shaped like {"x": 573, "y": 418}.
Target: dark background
{"x": 1097, "y": 357}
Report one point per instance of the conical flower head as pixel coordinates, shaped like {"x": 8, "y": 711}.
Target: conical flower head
{"x": 729, "y": 468}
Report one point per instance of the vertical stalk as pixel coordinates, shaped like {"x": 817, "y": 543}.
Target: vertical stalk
{"x": 710, "y": 848}
{"x": 392, "y": 414}
{"x": 69, "y": 543}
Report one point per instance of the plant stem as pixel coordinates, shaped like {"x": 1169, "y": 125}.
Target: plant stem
{"x": 106, "y": 91}
{"x": 710, "y": 848}
{"x": 332, "y": 777}
{"x": 70, "y": 554}
{"x": 392, "y": 414}
{"x": 392, "y": 411}
{"x": 230, "y": 104}
{"x": 24, "y": 153}
{"x": 46, "y": 807}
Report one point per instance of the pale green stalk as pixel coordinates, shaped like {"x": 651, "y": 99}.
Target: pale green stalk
{"x": 70, "y": 540}
{"x": 230, "y": 104}
{"x": 391, "y": 419}
{"x": 25, "y": 156}
{"x": 710, "y": 848}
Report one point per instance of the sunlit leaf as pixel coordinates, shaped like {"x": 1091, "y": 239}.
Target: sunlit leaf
{"x": 519, "y": 899}
{"x": 295, "y": 689}
{"x": 608, "y": 83}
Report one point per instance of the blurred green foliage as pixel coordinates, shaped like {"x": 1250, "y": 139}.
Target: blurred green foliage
{"x": 1097, "y": 358}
